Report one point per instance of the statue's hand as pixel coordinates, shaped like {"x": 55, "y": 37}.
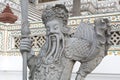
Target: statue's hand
{"x": 25, "y": 45}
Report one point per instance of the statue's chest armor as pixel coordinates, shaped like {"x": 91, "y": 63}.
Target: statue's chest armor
{"x": 48, "y": 72}
{"x": 55, "y": 71}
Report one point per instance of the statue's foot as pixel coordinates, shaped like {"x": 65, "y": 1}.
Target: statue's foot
{"x": 79, "y": 77}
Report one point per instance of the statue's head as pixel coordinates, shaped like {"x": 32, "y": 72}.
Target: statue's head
{"x": 55, "y": 18}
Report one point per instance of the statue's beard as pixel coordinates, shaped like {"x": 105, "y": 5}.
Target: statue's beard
{"x": 55, "y": 47}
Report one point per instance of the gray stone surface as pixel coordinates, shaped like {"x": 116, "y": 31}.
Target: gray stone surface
{"x": 57, "y": 57}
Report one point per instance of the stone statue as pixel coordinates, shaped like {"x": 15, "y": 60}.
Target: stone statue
{"x": 88, "y": 45}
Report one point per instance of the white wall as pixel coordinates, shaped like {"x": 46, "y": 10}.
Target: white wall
{"x": 10, "y": 63}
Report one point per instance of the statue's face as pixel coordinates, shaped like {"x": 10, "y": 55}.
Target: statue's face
{"x": 54, "y": 27}
{"x": 55, "y": 38}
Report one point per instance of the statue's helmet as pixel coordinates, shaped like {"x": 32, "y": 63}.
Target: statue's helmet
{"x": 58, "y": 11}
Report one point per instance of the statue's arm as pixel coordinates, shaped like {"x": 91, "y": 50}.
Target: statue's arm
{"x": 25, "y": 46}
{"x": 31, "y": 60}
